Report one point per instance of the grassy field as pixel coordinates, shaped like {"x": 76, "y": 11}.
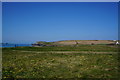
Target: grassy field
{"x": 85, "y": 61}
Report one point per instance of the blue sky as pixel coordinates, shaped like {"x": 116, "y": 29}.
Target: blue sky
{"x": 28, "y": 22}
{"x": 0, "y": 22}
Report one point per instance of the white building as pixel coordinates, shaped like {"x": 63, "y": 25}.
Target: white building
{"x": 117, "y": 43}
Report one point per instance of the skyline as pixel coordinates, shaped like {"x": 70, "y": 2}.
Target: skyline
{"x": 31, "y": 22}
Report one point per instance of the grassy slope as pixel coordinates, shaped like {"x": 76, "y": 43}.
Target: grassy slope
{"x": 19, "y": 64}
{"x": 98, "y": 48}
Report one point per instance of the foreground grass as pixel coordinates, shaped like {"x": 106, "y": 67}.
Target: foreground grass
{"x": 17, "y": 64}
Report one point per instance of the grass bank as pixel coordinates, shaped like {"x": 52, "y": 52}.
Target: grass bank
{"x": 32, "y": 64}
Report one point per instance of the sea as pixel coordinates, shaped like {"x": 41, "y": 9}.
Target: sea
{"x": 15, "y": 45}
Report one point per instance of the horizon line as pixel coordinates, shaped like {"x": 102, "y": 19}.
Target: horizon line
{"x": 57, "y": 41}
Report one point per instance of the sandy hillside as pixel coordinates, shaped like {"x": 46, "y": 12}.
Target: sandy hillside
{"x": 71, "y": 42}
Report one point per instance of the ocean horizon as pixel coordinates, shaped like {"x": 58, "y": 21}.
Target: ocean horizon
{"x": 15, "y": 45}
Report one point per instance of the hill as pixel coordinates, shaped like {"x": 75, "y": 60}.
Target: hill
{"x": 74, "y": 42}
{"x": 84, "y": 42}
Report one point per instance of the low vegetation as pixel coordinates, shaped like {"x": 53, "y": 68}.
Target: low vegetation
{"x": 61, "y": 62}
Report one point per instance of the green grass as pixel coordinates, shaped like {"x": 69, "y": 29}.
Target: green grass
{"x": 98, "y": 48}
{"x": 18, "y": 64}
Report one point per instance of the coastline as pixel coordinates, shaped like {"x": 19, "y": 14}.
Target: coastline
{"x": 14, "y": 45}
